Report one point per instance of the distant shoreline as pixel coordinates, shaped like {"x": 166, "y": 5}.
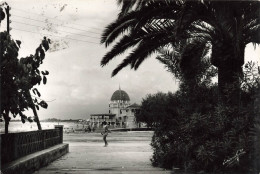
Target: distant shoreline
{"x": 49, "y": 120}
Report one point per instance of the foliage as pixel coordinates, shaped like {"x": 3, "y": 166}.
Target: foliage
{"x": 156, "y": 110}
{"x": 203, "y": 142}
{"x": 193, "y": 132}
{"x": 19, "y": 76}
{"x": 150, "y": 25}
{"x": 186, "y": 67}
{"x": 251, "y": 79}
{"x": 202, "y": 133}
{"x": 190, "y": 28}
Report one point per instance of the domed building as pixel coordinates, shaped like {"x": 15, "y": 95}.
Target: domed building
{"x": 120, "y": 95}
{"x": 119, "y": 101}
{"x": 121, "y": 111}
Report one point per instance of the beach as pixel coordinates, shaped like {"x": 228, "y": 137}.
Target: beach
{"x": 127, "y": 152}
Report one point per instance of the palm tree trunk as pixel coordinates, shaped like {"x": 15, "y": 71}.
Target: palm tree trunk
{"x": 6, "y": 126}
{"x": 7, "y": 119}
{"x": 228, "y": 83}
{"x": 229, "y": 61}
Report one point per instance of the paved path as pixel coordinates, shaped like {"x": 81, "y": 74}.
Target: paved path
{"x": 127, "y": 152}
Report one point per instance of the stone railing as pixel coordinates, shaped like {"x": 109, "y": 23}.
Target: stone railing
{"x": 16, "y": 145}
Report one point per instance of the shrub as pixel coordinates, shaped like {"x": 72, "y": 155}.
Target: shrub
{"x": 195, "y": 133}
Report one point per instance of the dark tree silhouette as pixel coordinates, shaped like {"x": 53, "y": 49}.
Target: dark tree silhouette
{"x": 146, "y": 26}
{"x": 18, "y": 77}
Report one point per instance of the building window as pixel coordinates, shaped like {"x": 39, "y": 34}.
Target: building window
{"x": 109, "y": 111}
{"x": 120, "y": 111}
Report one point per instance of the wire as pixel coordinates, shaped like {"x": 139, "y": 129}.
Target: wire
{"x": 28, "y": 18}
{"x": 54, "y": 18}
{"x": 57, "y": 30}
{"x": 58, "y": 25}
{"x": 58, "y": 36}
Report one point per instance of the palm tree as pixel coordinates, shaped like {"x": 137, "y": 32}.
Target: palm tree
{"x": 176, "y": 61}
{"x": 147, "y": 26}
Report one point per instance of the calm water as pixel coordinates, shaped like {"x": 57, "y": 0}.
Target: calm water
{"x": 20, "y": 127}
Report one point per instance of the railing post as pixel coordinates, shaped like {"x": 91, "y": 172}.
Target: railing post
{"x": 15, "y": 145}
{"x": 44, "y": 138}
{"x": 60, "y": 127}
{"x": 0, "y": 153}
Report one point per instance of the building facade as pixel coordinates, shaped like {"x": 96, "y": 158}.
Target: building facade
{"x": 121, "y": 112}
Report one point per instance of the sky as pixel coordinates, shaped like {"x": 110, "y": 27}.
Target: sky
{"x": 77, "y": 85}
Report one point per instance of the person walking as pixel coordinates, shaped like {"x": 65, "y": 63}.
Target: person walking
{"x": 105, "y": 133}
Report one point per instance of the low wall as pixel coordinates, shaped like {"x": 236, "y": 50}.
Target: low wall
{"x": 17, "y": 145}
{"x": 26, "y": 152}
{"x": 33, "y": 162}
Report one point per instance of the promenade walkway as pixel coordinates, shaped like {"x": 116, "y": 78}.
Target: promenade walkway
{"x": 127, "y": 152}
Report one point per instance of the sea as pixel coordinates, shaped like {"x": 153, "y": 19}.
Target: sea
{"x": 18, "y": 126}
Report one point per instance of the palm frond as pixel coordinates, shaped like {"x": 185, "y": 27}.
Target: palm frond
{"x": 126, "y": 7}
{"x": 147, "y": 46}
{"x": 151, "y": 24}
{"x": 253, "y": 35}
{"x": 118, "y": 27}
{"x": 126, "y": 42}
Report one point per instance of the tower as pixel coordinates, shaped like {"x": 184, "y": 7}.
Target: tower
{"x": 118, "y": 103}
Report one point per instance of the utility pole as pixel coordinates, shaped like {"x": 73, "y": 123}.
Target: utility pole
{"x": 7, "y": 9}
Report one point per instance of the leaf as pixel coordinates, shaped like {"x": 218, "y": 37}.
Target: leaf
{"x": 45, "y": 44}
{"x": 30, "y": 119}
{"x": 44, "y": 80}
{"x": 18, "y": 43}
{"x": 42, "y": 53}
{"x": 2, "y": 14}
{"x": 45, "y": 73}
{"x": 23, "y": 120}
{"x": 39, "y": 80}
{"x": 37, "y": 107}
{"x": 35, "y": 90}
{"x": 38, "y": 93}
{"x": 43, "y": 104}
{"x": 39, "y": 54}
